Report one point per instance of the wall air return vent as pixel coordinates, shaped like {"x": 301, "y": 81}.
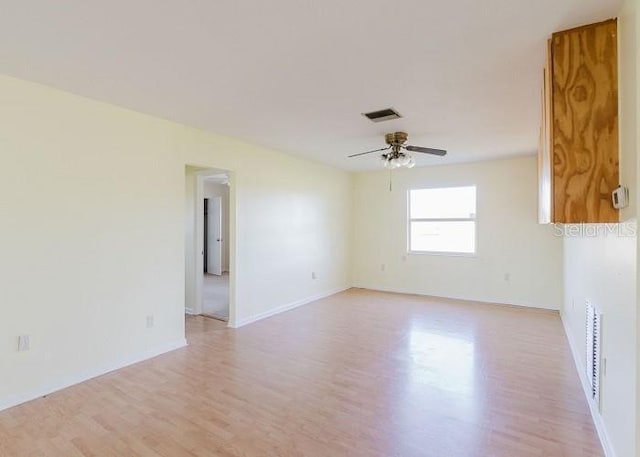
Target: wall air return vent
{"x": 382, "y": 115}
{"x": 594, "y": 336}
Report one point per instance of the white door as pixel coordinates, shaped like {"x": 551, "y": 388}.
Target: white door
{"x": 214, "y": 236}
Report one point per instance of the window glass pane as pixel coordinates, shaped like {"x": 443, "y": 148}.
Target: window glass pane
{"x": 444, "y": 203}
{"x": 444, "y": 236}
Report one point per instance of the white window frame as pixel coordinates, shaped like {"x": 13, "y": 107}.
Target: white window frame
{"x": 474, "y": 219}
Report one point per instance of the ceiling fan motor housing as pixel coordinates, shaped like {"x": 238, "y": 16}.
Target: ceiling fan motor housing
{"x": 396, "y": 138}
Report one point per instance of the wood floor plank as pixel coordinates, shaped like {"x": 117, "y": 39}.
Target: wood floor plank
{"x": 361, "y": 373}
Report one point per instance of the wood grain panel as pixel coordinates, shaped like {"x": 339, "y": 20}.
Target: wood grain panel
{"x": 545, "y": 182}
{"x": 585, "y": 128}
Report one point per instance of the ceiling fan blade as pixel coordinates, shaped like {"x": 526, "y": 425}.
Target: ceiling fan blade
{"x": 436, "y": 152}
{"x": 369, "y": 152}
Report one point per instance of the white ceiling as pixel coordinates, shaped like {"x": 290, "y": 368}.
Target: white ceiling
{"x": 296, "y": 74}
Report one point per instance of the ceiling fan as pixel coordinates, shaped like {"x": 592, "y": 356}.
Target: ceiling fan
{"x": 397, "y": 154}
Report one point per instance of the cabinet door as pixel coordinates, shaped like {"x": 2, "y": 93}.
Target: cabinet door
{"x": 585, "y": 123}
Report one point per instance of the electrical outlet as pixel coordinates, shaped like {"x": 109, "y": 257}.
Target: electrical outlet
{"x": 150, "y": 322}
{"x": 382, "y": 267}
{"x": 23, "y": 343}
{"x": 507, "y": 277}
{"x": 314, "y": 275}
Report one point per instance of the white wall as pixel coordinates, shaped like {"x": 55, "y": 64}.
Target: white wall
{"x": 510, "y": 242}
{"x": 600, "y": 265}
{"x": 211, "y": 190}
{"x": 602, "y": 269}
{"x": 92, "y": 238}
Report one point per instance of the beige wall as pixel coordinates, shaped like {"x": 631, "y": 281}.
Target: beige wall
{"x": 92, "y": 236}
{"x": 191, "y": 292}
{"x": 518, "y": 261}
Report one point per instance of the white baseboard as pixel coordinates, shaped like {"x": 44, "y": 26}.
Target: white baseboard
{"x": 49, "y": 388}
{"x": 593, "y": 407}
{"x": 281, "y": 309}
{"x": 467, "y": 299}
{"x": 190, "y": 311}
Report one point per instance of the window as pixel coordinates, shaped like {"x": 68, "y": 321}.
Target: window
{"x": 443, "y": 220}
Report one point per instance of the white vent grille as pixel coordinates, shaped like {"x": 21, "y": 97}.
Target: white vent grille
{"x": 594, "y": 337}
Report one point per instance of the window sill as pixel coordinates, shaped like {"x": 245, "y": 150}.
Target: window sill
{"x": 443, "y": 254}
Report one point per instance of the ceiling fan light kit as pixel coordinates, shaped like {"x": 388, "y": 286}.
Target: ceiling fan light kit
{"x": 391, "y": 161}
{"x": 397, "y": 154}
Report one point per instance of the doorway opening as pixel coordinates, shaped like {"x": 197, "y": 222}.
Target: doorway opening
{"x": 215, "y": 289}
{"x": 209, "y": 282}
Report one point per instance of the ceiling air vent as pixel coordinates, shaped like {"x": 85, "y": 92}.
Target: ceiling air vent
{"x": 382, "y": 115}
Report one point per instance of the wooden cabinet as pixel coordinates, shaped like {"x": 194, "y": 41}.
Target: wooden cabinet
{"x": 578, "y": 156}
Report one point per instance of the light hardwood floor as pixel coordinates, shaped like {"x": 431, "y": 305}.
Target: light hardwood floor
{"x": 358, "y": 374}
